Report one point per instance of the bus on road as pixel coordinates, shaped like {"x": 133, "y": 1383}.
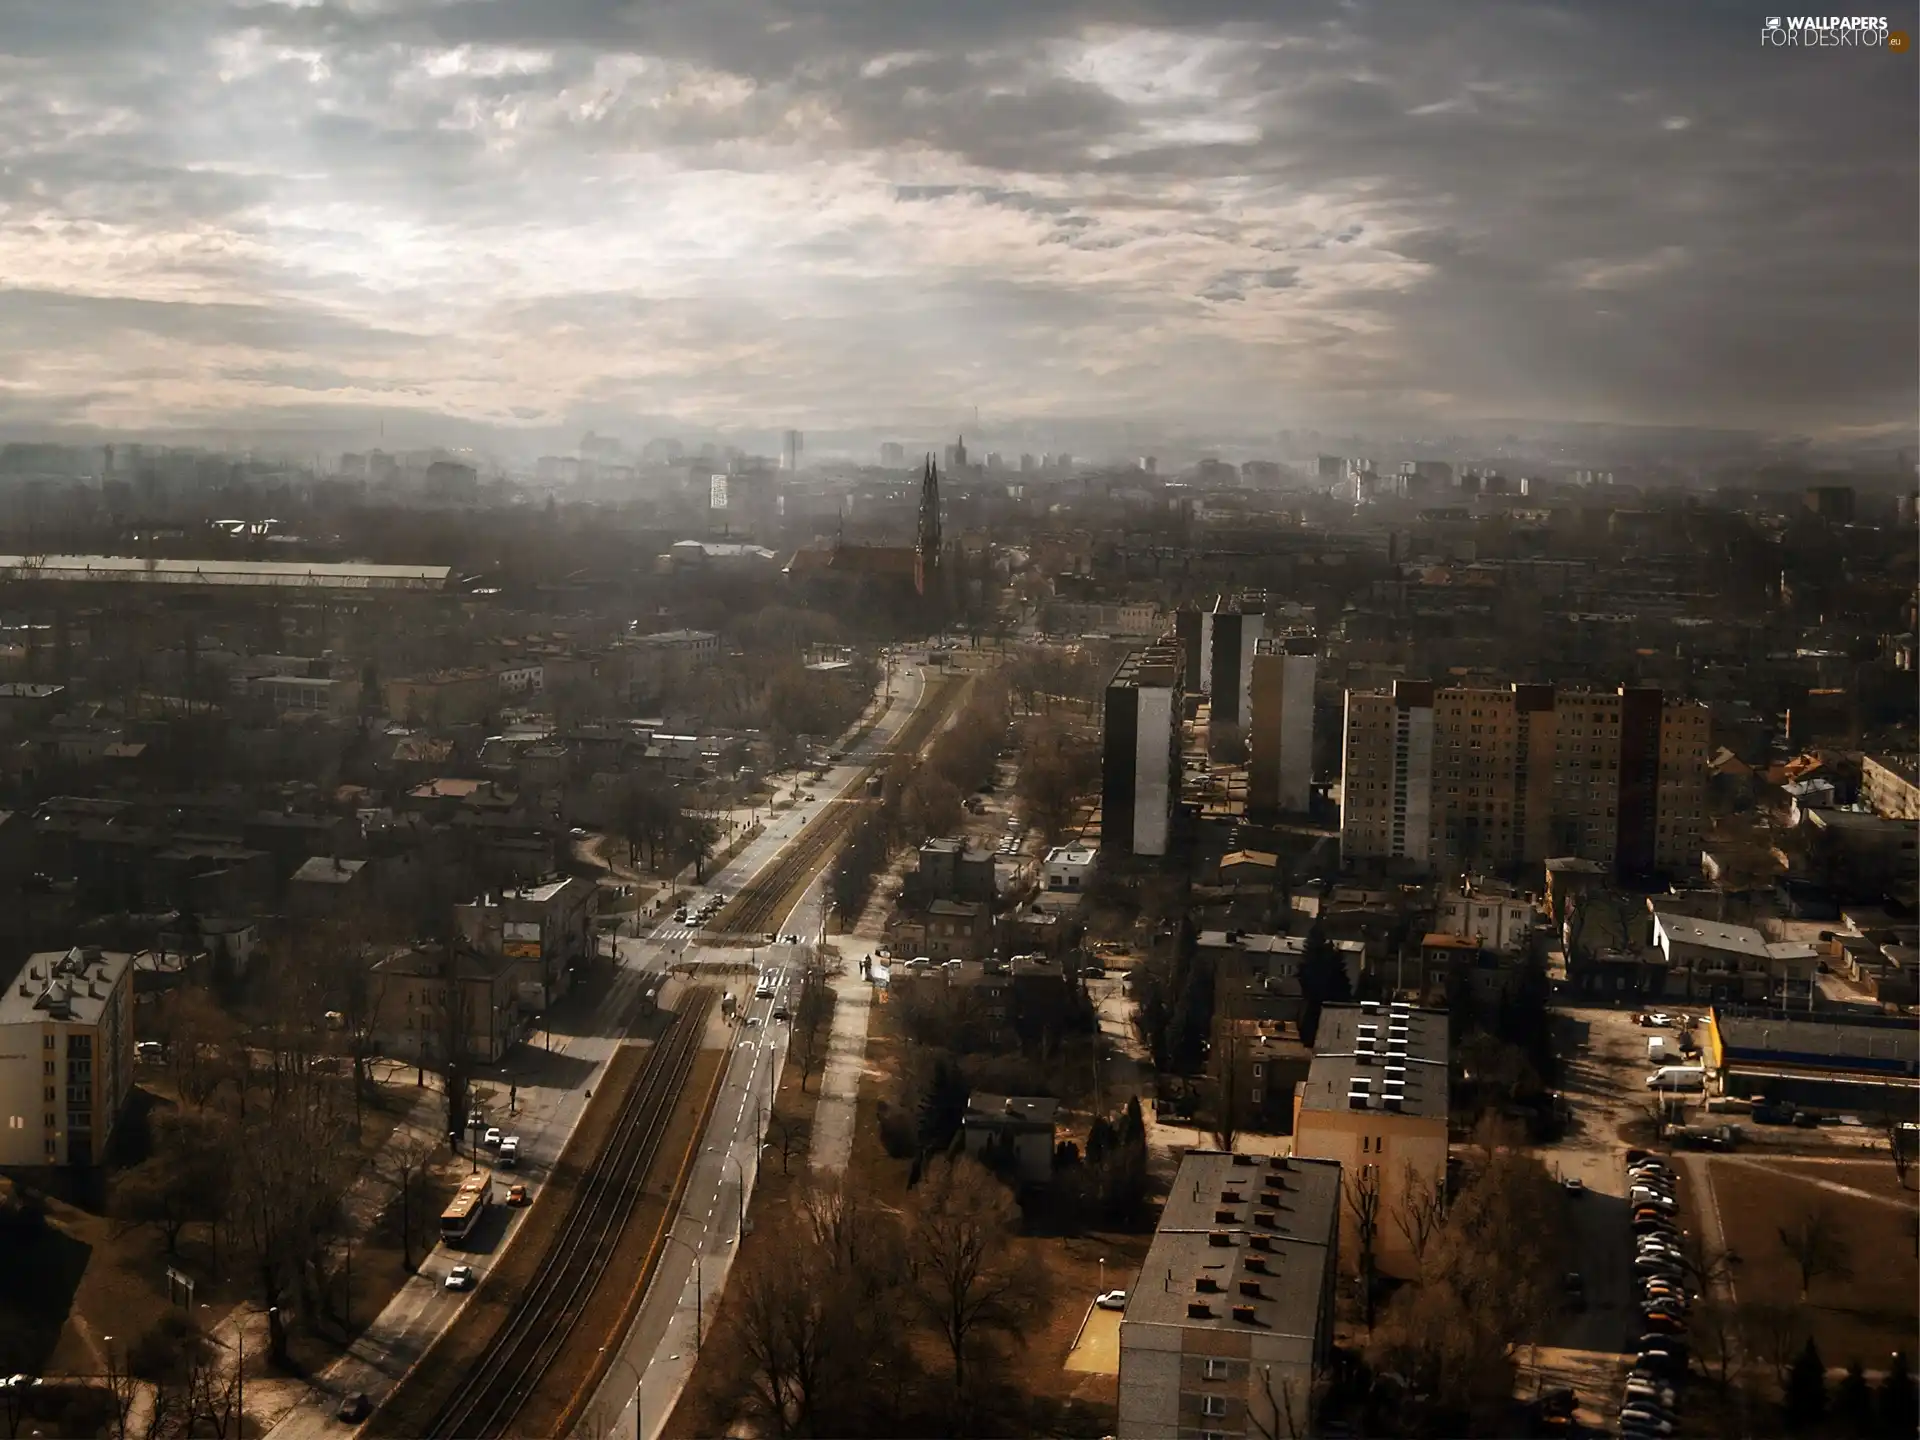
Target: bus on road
{"x": 463, "y": 1212}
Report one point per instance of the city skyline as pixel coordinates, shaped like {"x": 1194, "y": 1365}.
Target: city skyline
{"x": 534, "y": 216}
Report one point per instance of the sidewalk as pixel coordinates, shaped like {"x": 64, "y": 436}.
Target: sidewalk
{"x": 838, "y": 1108}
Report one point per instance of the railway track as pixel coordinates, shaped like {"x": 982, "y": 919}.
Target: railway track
{"x": 538, "y": 1327}
{"x": 760, "y": 903}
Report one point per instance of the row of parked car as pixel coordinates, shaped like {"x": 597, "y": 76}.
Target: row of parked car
{"x": 1663, "y": 1279}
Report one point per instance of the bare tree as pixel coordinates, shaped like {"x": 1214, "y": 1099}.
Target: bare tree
{"x": 968, "y": 1281}
{"x": 812, "y": 1024}
{"x": 789, "y": 1134}
{"x": 1229, "y": 1086}
{"x": 405, "y": 1167}
{"x": 1423, "y": 1208}
{"x": 1284, "y": 1414}
{"x": 1361, "y": 1193}
{"x": 1774, "y": 1333}
{"x": 1817, "y": 1249}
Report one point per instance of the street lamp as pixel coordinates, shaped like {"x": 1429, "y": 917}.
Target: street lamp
{"x": 614, "y": 1357}
{"x": 699, "y": 1313}
{"x": 739, "y": 1170}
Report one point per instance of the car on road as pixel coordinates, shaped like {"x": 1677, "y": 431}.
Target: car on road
{"x": 1656, "y": 1019}
{"x": 355, "y": 1408}
{"x": 781, "y": 1012}
{"x": 1112, "y": 1300}
{"x": 1574, "y": 1186}
{"x": 460, "y": 1277}
{"x": 578, "y": 832}
{"x": 492, "y": 1138}
{"x": 510, "y": 1151}
{"x": 517, "y": 1195}
{"x": 1093, "y": 972}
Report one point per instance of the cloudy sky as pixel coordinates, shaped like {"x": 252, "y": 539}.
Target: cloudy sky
{"x": 835, "y": 213}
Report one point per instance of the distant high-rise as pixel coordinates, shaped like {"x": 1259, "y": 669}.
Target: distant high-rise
{"x": 790, "y": 447}
{"x": 893, "y": 454}
{"x": 1028, "y": 464}
{"x": 1280, "y": 732}
{"x": 957, "y": 455}
{"x": 1238, "y": 623}
{"x": 1140, "y": 752}
{"x": 1444, "y": 780}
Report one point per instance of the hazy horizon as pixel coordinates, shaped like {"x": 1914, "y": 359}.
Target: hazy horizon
{"x": 536, "y": 216}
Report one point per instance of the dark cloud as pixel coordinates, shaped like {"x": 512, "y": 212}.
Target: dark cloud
{"x": 1607, "y": 209}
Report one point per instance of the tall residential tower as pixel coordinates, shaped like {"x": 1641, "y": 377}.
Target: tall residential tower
{"x": 1444, "y": 780}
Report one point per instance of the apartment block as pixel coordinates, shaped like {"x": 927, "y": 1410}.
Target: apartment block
{"x": 1446, "y": 780}
{"x": 1280, "y": 726}
{"x": 1238, "y": 623}
{"x": 1375, "y": 1101}
{"x": 66, "y": 1056}
{"x": 1231, "y": 1320}
{"x": 1140, "y": 743}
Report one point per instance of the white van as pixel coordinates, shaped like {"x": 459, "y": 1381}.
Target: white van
{"x": 1691, "y": 1078}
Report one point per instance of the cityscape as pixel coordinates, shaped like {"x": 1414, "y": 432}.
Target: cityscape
{"x": 836, "y": 720}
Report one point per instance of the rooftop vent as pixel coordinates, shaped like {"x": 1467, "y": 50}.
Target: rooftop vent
{"x": 1220, "y": 1240}
{"x": 1262, "y": 1242}
{"x": 1243, "y": 1159}
{"x": 1206, "y": 1285}
{"x": 1225, "y": 1217}
{"x": 1264, "y": 1219}
{"x": 1246, "y": 1314}
{"x": 1356, "y": 1099}
{"x": 1279, "y": 1162}
{"x": 1199, "y": 1310}
{"x": 1393, "y": 1102}
{"x": 1257, "y": 1263}
{"x": 1231, "y": 1197}
{"x": 1369, "y": 1007}
{"x": 1251, "y": 1288}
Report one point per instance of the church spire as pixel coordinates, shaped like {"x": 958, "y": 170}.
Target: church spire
{"x": 929, "y": 534}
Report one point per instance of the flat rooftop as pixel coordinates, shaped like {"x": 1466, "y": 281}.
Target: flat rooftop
{"x": 230, "y": 574}
{"x": 65, "y": 986}
{"x": 1244, "y": 1243}
{"x": 1155, "y": 666}
{"x": 1362, "y": 1048}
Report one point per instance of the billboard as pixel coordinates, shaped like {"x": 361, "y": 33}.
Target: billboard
{"x": 717, "y": 492}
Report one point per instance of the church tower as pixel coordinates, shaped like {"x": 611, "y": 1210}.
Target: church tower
{"x": 929, "y": 533}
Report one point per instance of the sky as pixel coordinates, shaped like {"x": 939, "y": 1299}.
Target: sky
{"x": 846, "y": 213}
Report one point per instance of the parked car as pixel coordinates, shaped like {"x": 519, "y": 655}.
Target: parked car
{"x": 517, "y": 1195}
{"x": 1112, "y": 1300}
{"x": 1574, "y": 1186}
{"x": 460, "y": 1277}
{"x": 355, "y": 1408}
{"x": 492, "y": 1138}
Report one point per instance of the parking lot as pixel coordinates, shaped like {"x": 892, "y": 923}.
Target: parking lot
{"x": 1604, "y": 1068}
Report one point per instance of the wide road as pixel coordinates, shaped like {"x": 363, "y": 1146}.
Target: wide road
{"x": 651, "y": 1367}
{"x": 553, "y": 1072}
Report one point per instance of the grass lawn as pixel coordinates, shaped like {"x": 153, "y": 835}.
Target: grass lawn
{"x": 1866, "y": 1316}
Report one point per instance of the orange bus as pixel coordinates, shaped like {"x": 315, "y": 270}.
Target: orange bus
{"x": 463, "y": 1212}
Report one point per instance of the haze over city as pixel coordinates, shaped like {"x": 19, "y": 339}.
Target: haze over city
{"x": 1243, "y": 217}
{"x": 938, "y": 719}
